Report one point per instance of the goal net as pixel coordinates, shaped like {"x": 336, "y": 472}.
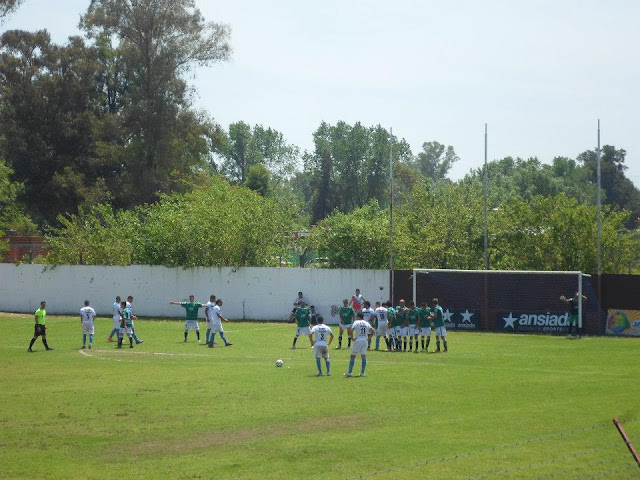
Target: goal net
{"x": 508, "y": 301}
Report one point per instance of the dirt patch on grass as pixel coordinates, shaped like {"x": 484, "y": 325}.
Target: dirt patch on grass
{"x": 212, "y": 439}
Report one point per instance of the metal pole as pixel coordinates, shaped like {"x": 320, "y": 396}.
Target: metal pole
{"x": 599, "y": 209}
{"x": 579, "y": 303}
{"x": 486, "y": 200}
{"x": 391, "y": 272}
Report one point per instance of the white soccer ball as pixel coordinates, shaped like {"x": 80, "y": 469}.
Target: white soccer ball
{"x": 279, "y": 363}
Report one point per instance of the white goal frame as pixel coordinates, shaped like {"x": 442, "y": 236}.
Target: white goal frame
{"x": 578, "y": 274}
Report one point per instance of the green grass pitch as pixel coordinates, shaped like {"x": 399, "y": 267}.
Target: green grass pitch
{"x": 495, "y": 406}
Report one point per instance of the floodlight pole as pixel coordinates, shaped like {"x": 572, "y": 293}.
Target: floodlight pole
{"x": 486, "y": 201}
{"x": 391, "y": 272}
{"x": 599, "y": 202}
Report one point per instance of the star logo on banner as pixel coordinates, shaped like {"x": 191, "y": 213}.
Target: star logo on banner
{"x": 508, "y": 321}
{"x": 446, "y": 315}
{"x": 466, "y": 316}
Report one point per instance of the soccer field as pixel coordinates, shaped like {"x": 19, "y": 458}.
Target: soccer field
{"x": 495, "y": 406}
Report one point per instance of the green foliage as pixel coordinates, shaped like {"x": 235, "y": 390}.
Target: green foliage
{"x": 7, "y": 7}
{"x": 349, "y": 167}
{"x": 243, "y": 147}
{"x": 511, "y": 179}
{"x": 359, "y": 239}
{"x": 12, "y": 216}
{"x": 90, "y": 123}
{"x": 436, "y": 160}
{"x": 217, "y": 225}
{"x": 619, "y": 190}
{"x": 559, "y": 233}
{"x": 258, "y": 179}
{"x": 96, "y": 236}
{"x": 443, "y": 224}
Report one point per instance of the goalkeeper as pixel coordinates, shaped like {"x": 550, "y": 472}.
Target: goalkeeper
{"x": 574, "y": 309}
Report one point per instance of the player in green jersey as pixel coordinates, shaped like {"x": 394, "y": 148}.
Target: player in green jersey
{"x": 40, "y": 327}
{"x": 191, "y": 315}
{"x": 303, "y": 319}
{"x": 425, "y": 326}
{"x": 412, "y": 323}
{"x": 347, "y": 315}
{"x": 391, "y": 315}
{"x": 126, "y": 324}
{"x": 401, "y": 317}
{"x": 437, "y": 316}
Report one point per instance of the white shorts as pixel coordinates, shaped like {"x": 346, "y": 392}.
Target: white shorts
{"x": 345, "y": 326}
{"x": 125, "y": 330}
{"x": 413, "y": 330}
{"x": 216, "y": 327}
{"x": 382, "y": 330}
{"x": 426, "y": 331}
{"x": 441, "y": 331}
{"x": 321, "y": 351}
{"x": 191, "y": 325}
{"x": 402, "y": 331}
{"x": 359, "y": 346}
{"x": 303, "y": 331}
{"x": 88, "y": 328}
{"x": 116, "y": 323}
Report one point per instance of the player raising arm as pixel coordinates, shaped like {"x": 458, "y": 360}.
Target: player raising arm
{"x": 574, "y": 309}
{"x": 191, "y": 315}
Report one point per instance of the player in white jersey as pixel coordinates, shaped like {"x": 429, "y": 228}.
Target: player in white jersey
{"x": 215, "y": 318}
{"x": 320, "y": 344}
{"x": 116, "y": 318}
{"x": 382, "y": 325}
{"x": 133, "y": 317}
{"x": 208, "y": 314}
{"x": 361, "y": 332}
{"x": 368, "y": 314}
{"x": 87, "y": 314}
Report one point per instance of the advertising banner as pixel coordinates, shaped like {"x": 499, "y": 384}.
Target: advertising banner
{"x": 624, "y": 323}
{"x": 533, "y": 322}
{"x": 461, "y": 320}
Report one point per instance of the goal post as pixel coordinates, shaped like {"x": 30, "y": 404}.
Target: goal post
{"x": 506, "y": 300}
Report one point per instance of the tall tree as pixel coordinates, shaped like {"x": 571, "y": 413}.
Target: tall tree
{"x": 12, "y": 216}
{"x": 48, "y": 117}
{"x": 159, "y": 41}
{"x": 7, "y": 7}
{"x": 436, "y": 160}
{"x": 349, "y": 167}
{"x": 243, "y": 147}
{"x": 619, "y": 190}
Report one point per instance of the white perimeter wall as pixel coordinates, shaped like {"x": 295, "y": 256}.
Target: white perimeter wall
{"x": 248, "y": 293}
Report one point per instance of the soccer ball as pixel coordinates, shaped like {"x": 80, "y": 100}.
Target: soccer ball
{"x": 279, "y": 363}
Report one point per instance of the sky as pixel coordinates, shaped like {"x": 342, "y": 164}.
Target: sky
{"x": 539, "y": 73}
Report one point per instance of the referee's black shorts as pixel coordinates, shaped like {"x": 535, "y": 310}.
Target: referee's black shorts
{"x": 40, "y": 330}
